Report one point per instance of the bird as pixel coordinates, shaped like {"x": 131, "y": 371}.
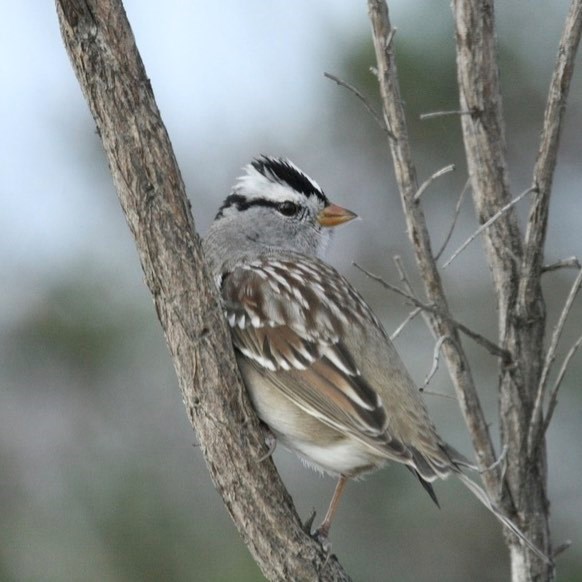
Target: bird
{"x": 320, "y": 369}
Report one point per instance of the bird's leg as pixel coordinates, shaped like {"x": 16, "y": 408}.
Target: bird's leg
{"x": 323, "y": 530}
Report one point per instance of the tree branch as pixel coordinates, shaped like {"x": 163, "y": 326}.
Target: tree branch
{"x": 100, "y": 43}
{"x": 435, "y": 362}
{"x": 536, "y": 425}
{"x": 428, "y": 182}
{"x": 486, "y": 225}
{"x": 553, "y": 399}
{"x": 412, "y": 315}
{"x": 516, "y": 266}
{"x": 434, "y": 114}
{"x": 485, "y": 146}
{"x": 426, "y": 315}
{"x": 478, "y": 338}
{"x": 418, "y": 234}
{"x": 569, "y": 263}
{"x": 548, "y": 151}
{"x": 454, "y": 221}
{"x": 363, "y": 99}
{"x": 532, "y": 269}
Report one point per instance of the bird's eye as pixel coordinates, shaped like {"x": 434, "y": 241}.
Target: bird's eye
{"x": 288, "y": 208}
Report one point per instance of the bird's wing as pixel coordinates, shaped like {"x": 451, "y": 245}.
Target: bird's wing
{"x": 272, "y": 306}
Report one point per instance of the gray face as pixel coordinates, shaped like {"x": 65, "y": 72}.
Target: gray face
{"x": 289, "y": 223}
{"x": 273, "y": 205}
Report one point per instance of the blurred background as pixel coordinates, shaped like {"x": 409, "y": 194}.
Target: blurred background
{"x": 100, "y": 477}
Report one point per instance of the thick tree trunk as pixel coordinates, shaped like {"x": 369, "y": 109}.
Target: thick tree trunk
{"x": 150, "y": 188}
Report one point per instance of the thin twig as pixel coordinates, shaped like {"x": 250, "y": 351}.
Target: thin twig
{"x": 435, "y": 393}
{"x": 433, "y": 114}
{"x": 410, "y": 289}
{"x": 403, "y": 274}
{"x": 454, "y": 221}
{"x": 478, "y": 338}
{"x": 562, "y": 548}
{"x": 536, "y": 425}
{"x": 553, "y": 401}
{"x": 425, "y": 185}
{"x": 498, "y": 462}
{"x": 435, "y": 361}
{"x": 412, "y": 315}
{"x": 551, "y": 354}
{"x": 364, "y": 101}
{"x": 487, "y": 224}
{"x": 569, "y": 263}
{"x": 390, "y": 37}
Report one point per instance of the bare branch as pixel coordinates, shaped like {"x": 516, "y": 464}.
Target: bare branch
{"x": 433, "y": 114}
{"x": 435, "y": 393}
{"x": 405, "y": 173}
{"x": 553, "y": 400}
{"x": 486, "y": 225}
{"x": 435, "y": 361}
{"x": 569, "y": 263}
{"x": 500, "y": 460}
{"x": 562, "y": 548}
{"x": 548, "y": 150}
{"x": 454, "y": 221}
{"x": 426, "y": 184}
{"x": 536, "y": 425}
{"x": 426, "y": 316}
{"x": 485, "y": 144}
{"x": 515, "y": 265}
{"x": 390, "y": 37}
{"x": 403, "y": 274}
{"x": 363, "y": 99}
{"x": 478, "y": 338}
{"x": 408, "y": 319}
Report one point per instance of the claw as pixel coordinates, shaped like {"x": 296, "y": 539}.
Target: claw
{"x": 321, "y": 537}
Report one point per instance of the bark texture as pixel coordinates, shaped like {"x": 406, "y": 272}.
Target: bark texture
{"x": 515, "y": 262}
{"x": 150, "y": 188}
{"x": 405, "y": 172}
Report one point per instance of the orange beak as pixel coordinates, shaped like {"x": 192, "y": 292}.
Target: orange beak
{"x": 333, "y": 215}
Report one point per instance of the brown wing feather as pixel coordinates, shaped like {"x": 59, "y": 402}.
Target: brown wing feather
{"x": 309, "y": 364}
{"x": 271, "y": 306}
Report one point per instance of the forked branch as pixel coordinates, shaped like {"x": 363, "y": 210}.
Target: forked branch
{"x": 418, "y": 234}
{"x": 537, "y": 421}
{"x": 548, "y": 150}
{"x": 492, "y": 348}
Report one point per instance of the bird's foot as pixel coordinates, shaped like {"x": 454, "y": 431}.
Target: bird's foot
{"x": 321, "y": 537}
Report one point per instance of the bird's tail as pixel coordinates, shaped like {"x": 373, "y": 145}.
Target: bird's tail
{"x": 482, "y": 496}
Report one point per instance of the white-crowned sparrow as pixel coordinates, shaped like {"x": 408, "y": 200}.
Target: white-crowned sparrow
{"x": 318, "y": 365}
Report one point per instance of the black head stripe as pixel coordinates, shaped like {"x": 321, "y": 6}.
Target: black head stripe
{"x": 281, "y": 171}
{"x": 243, "y": 203}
